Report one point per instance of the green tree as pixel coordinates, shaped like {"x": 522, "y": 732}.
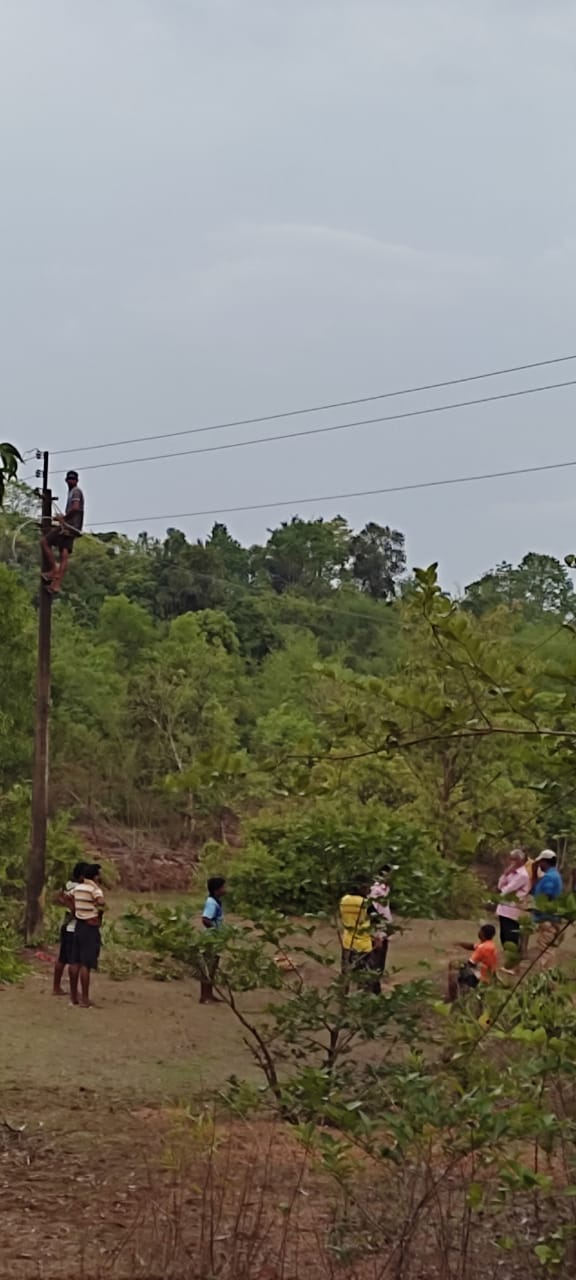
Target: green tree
{"x": 378, "y": 560}
{"x": 129, "y": 627}
{"x": 309, "y": 555}
{"x": 540, "y": 584}
{"x": 188, "y": 577}
{"x": 92, "y": 749}
{"x": 233, "y": 558}
{"x": 184, "y": 701}
{"x": 16, "y": 681}
{"x": 16, "y": 703}
{"x": 451, "y": 741}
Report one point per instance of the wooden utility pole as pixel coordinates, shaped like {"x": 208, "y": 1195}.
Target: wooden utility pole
{"x": 37, "y": 859}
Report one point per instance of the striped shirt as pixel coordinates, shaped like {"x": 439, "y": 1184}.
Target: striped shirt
{"x": 88, "y": 900}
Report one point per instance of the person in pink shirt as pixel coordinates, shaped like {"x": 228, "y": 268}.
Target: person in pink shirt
{"x": 514, "y": 884}
{"x": 380, "y": 918}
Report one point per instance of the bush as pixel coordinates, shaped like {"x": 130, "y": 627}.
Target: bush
{"x": 63, "y": 847}
{"x": 63, "y": 850}
{"x": 11, "y": 966}
{"x": 305, "y": 863}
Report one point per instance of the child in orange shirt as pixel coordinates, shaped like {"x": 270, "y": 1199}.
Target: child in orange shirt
{"x": 480, "y": 967}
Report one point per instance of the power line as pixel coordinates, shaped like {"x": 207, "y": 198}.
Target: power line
{"x": 319, "y": 408}
{"x": 342, "y": 426}
{"x": 339, "y": 497}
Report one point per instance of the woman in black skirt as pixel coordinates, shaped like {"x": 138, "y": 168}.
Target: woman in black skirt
{"x": 66, "y": 952}
{"x": 88, "y": 905}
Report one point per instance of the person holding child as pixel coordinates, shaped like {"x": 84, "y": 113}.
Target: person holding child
{"x": 514, "y": 886}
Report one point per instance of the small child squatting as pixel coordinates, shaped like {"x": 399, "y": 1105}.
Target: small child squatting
{"x": 480, "y": 966}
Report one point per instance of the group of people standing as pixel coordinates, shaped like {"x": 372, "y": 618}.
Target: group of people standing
{"x": 525, "y": 886}
{"x": 528, "y": 887}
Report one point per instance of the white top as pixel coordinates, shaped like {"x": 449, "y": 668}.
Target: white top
{"x": 515, "y": 881}
{"x": 71, "y": 924}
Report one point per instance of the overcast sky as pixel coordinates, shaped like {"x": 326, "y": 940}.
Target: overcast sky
{"x": 214, "y": 209}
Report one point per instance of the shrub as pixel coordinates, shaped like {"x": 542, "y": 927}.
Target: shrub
{"x": 305, "y": 863}
{"x": 63, "y": 847}
{"x": 11, "y": 966}
{"x": 14, "y": 838}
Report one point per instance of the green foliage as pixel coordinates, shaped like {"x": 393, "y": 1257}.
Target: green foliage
{"x": 9, "y": 459}
{"x": 12, "y": 967}
{"x": 304, "y": 554}
{"x": 16, "y": 667}
{"x": 63, "y": 849}
{"x": 305, "y": 862}
{"x": 378, "y": 560}
{"x": 539, "y": 585}
{"x": 129, "y": 627}
{"x": 300, "y": 695}
{"x": 14, "y": 837}
{"x": 306, "y": 1023}
{"x": 450, "y": 1138}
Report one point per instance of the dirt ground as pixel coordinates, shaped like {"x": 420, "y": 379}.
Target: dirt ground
{"x": 150, "y": 1041}
{"x": 90, "y": 1101}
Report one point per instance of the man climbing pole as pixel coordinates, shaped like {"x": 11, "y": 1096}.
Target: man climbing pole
{"x": 63, "y": 535}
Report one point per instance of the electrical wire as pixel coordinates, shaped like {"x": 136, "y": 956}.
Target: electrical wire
{"x": 319, "y": 408}
{"x": 342, "y": 426}
{"x": 339, "y": 497}
{"x": 293, "y": 602}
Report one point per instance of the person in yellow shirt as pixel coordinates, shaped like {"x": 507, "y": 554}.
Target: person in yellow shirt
{"x": 359, "y": 945}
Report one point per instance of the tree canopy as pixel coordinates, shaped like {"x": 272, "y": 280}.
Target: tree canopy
{"x": 298, "y": 682}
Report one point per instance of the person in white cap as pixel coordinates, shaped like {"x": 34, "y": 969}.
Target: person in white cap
{"x": 547, "y": 888}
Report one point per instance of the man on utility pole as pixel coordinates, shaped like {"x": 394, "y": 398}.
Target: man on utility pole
{"x": 63, "y": 535}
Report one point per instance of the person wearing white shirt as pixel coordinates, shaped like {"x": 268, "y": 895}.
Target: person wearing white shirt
{"x": 515, "y": 886}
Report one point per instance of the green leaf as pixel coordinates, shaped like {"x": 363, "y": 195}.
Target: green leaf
{"x": 475, "y": 1195}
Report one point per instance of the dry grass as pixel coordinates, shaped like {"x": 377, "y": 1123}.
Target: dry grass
{"x": 112, "y": 1177}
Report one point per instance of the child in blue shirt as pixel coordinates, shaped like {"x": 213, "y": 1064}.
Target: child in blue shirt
{"x": 212, "y": 918}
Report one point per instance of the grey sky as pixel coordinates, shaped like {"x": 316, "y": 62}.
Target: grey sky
{"x": 219, "y": 208}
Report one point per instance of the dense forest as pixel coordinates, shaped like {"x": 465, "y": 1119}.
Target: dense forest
{"x": 297, "y": 709}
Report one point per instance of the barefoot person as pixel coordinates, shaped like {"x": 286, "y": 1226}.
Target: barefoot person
{"x": 514, "y": 884}
{"x": 67, "y": 932}
{"x": 88, "y": 905}
{"x": 62, "y": 537}
{"x": 212, "y": 918}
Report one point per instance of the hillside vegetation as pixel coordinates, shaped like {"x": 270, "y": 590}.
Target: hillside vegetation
{"x": 309, "y": 696}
